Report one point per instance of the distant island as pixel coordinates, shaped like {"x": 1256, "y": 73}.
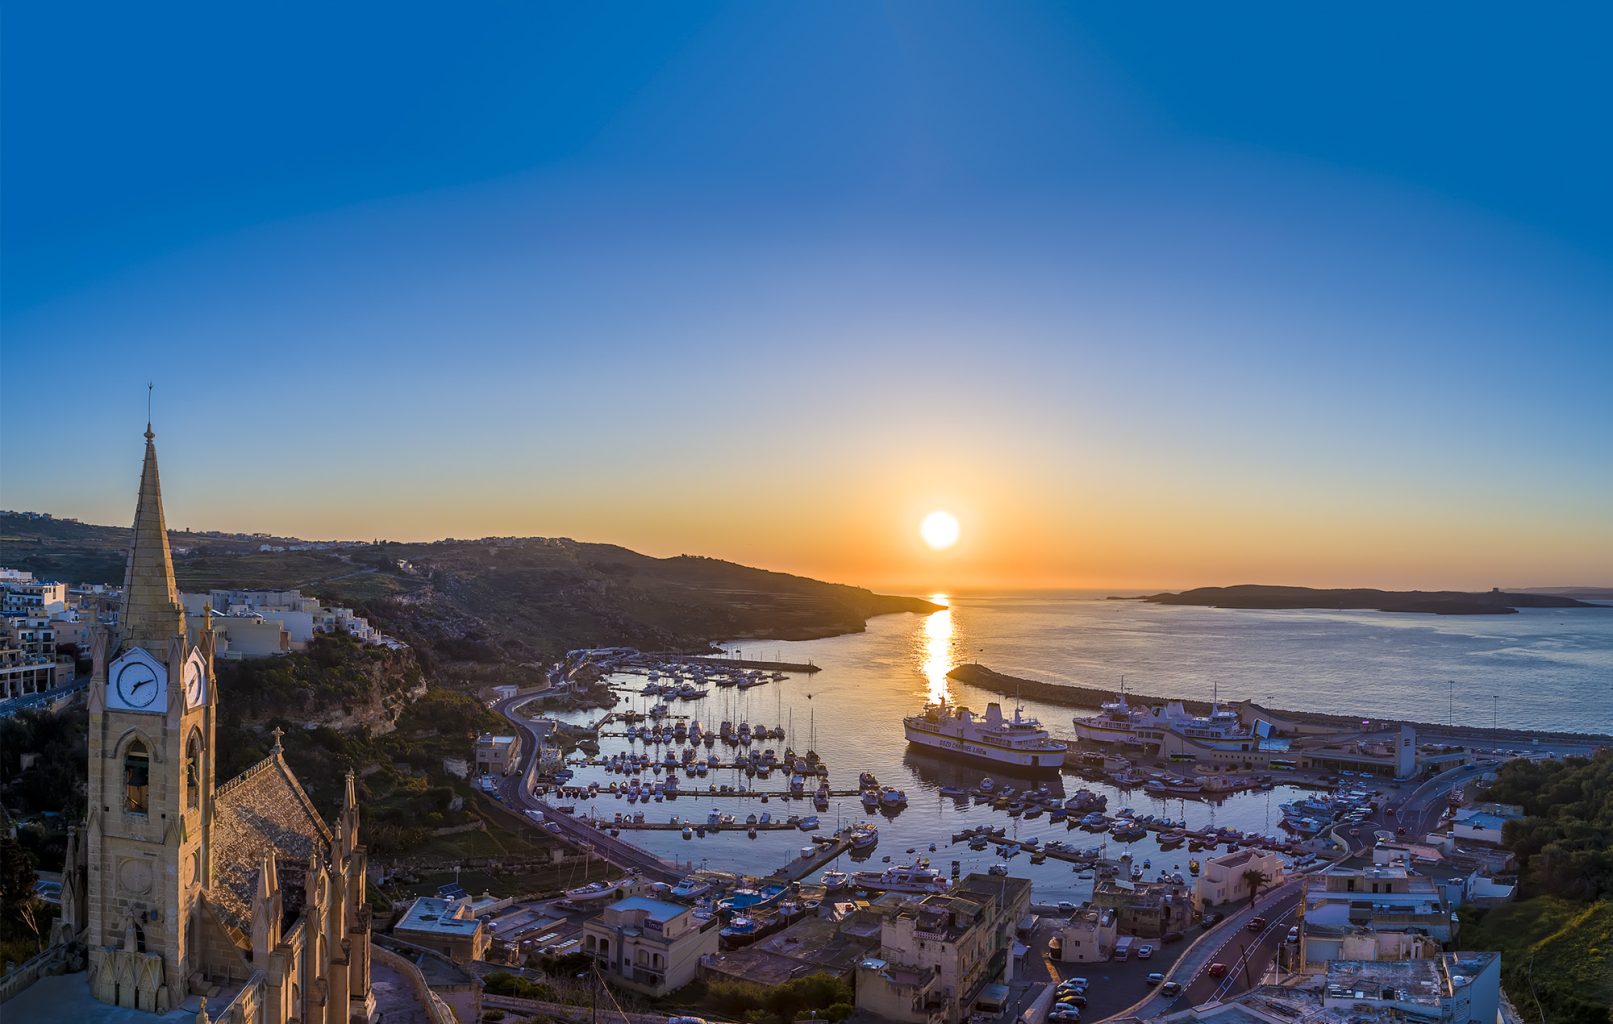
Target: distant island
{"x": 1434, "y": 602}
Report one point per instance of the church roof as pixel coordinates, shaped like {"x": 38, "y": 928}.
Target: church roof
{"x": 263, "y": 808}
{"x": 152, "y": 614}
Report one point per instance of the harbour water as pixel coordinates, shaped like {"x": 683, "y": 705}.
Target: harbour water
{"x": 1551, "y": 670}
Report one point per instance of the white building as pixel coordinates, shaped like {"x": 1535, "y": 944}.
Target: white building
{"x": 1482, "y": 823}
{"x": 1373, "y": 913}
{"x": 21, "y": 594}
{"x": 300, "y": 616}
{"x": 1224, "y": 879}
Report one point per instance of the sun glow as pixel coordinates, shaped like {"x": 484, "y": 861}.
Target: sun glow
{"x": 939, "y": 530}
{"x": 938, "y": 649}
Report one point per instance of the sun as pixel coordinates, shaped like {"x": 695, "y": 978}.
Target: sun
{"x": 939, "y": 530}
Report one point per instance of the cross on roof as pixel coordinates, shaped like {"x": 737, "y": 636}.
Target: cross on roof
{"x": 277, "y": 732}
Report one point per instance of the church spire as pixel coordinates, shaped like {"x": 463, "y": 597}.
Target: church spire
{"x": 152, "y": 614}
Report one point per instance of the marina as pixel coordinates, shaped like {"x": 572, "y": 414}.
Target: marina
{"x": 1057, "y": 828}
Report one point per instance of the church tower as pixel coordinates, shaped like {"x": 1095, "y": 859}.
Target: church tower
{"x": 149, "y": 829}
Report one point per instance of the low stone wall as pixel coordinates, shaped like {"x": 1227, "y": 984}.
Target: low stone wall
{"x": 53, "y": 960}
{"x": 435, "y": 1008}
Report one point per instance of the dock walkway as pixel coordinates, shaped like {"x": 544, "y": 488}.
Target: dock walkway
{"x": 801, "y": 867}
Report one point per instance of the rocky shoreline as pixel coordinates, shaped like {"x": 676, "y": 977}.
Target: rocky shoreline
{"x": 1075, "y": 696}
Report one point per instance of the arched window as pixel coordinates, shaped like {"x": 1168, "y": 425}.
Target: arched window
{"x": 136, "y": 779}
{"x": 193, "y": 772}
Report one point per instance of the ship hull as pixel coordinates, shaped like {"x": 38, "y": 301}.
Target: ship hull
{"x": 1042, "y": 760}
{"x": 1109, "y": 737}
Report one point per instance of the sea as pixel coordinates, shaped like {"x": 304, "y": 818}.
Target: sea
{"x": 1549, "y": 669}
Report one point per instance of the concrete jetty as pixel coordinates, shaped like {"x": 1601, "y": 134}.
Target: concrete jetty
{"x": 801, "y": 867}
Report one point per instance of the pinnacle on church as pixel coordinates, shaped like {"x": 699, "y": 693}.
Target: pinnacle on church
{"x": 152, "y": 614}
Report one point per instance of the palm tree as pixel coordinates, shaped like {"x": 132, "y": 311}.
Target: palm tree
{"x": 1254, "y": 878}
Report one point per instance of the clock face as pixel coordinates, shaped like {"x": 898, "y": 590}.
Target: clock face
{"x": 194, "y": 683}
{"x": 137, "y": 684}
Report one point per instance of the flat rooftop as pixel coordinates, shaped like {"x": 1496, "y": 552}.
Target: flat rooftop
{"x": 654, "y": 909}
{"x": 439, "y": 917}
{"x": 1406, "y": 981}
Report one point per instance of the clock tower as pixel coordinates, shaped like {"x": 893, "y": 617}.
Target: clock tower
{"x": 149, "y": 829}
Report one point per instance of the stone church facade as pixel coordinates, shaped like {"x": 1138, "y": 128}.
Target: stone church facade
{"x": 237, "y": 898}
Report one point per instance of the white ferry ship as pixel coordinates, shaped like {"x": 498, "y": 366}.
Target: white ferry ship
{"x": 1116, "y": 722}
{"x": 1122, "y": 722}
{"x": 1019, "y": 741}
{"x": 1221, "y": 729}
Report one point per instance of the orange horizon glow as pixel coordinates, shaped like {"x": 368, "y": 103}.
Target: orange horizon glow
{"x": 1024, "y": 529}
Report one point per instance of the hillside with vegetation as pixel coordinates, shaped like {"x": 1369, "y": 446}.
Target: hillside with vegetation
{"x": 494, "y": 609}
{"x": 1556, "y": 940}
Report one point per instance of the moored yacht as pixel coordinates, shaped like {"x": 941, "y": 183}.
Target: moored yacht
{"x": 911, "y": 878}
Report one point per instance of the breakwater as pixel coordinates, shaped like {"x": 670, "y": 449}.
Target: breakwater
{"x": 1076, "y": 696}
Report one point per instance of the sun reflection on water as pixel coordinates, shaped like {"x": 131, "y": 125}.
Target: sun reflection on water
{"x": 938, "y": 649}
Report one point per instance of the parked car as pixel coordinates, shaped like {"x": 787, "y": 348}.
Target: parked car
{"x": 1065, "y": 1015}
{"x": 1217, "y": 970}
{"x": 1257, "y": 924}
{"x": 1072, "y": 999}
{"x": 1169, "y": 937}
{"x": 1074, "y": 984}
{"x": 1155, "y": 978}
{"x": 1145, "y": 951}
{"x": 1171, "y": 988}
{"x": 1293, "y": 934}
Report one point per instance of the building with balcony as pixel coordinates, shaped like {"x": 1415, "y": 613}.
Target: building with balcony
{"x": 1381, "y": 912}
{"x": 648, "y": 944}
{"x": 21, "y": 594}
{"x": 937, "y": 953}
{"x": 28, "y": 657}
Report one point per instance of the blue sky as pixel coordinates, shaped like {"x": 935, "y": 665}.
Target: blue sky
{"x": 1148, "y": 297}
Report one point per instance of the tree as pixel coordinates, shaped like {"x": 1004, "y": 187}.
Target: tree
{"x": 1254, "y": 878}
{"x": 18, "y": 901}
